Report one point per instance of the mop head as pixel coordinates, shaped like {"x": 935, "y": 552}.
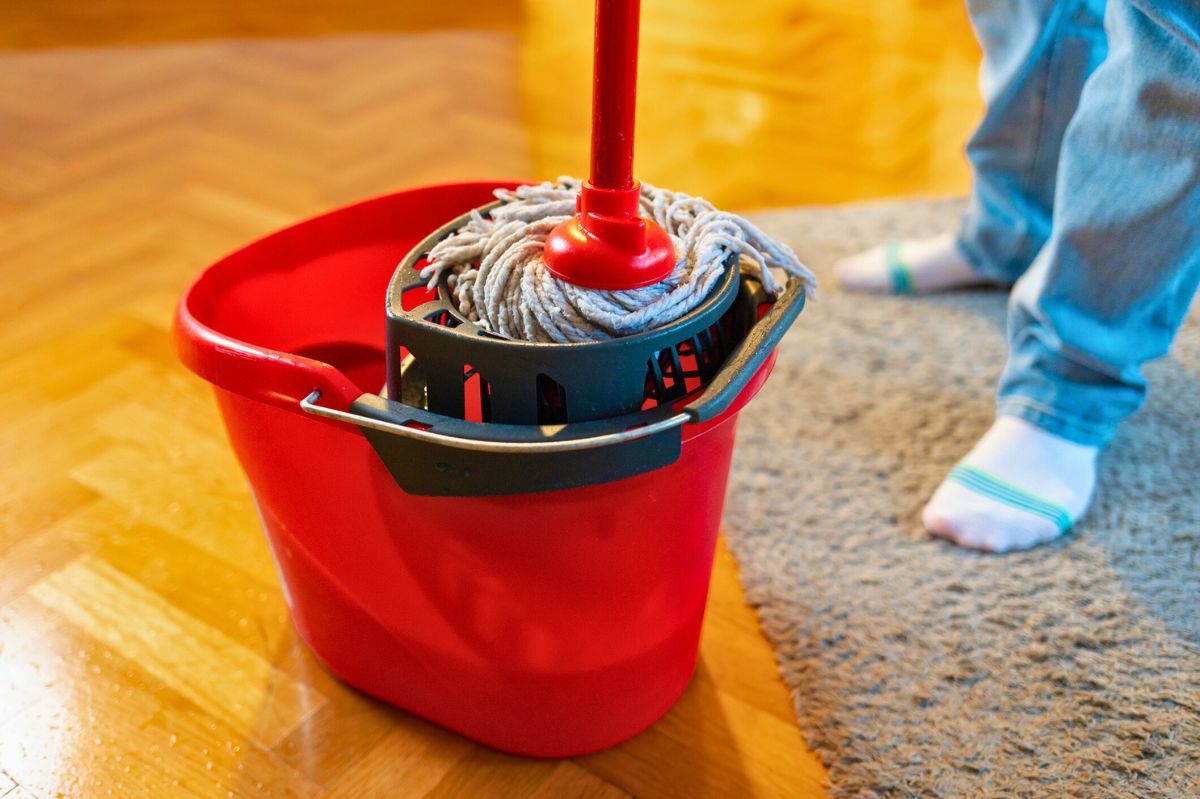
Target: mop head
{"x": 499, "y": 281}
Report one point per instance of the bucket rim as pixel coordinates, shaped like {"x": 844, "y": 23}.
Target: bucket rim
{"x": 260, "y": 372}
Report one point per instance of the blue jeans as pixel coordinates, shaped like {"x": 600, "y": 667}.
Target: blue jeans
{"x": 1086, "y": 196}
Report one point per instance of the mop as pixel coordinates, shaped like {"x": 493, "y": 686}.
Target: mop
{"x": 576, "y": 261}
{"x": 498, "y": 276}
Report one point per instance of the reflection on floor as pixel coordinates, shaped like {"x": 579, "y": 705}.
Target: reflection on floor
{"x": 767, "y": 103}
{"x": 753, "y": 104}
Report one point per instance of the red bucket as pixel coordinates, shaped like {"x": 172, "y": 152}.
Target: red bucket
{"x": 546, "y": 624}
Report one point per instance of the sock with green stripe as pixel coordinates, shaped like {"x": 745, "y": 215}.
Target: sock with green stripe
{"x": 1019, "y": 487}
{"x": 913, "y": 266}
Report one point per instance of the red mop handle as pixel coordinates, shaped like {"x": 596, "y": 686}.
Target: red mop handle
{"x": 614, "y": 93}
{"x": 607, "y": 245}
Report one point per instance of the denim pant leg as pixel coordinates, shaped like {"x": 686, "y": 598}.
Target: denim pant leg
{"x": 1036, "y": 56}
{"x": 1114, "y": 282}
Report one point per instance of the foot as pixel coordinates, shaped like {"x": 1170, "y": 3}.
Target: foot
{"x": 913, "y": 266}
{"x": 1019, "y": 487}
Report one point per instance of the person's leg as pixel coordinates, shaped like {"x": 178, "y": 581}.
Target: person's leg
{"x": 1106, "y": 293}
{"x": 1037, "y": 55}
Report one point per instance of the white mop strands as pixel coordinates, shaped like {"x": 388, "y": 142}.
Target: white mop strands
{"x": 498, "y": 278}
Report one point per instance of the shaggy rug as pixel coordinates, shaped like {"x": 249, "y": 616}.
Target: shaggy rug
{"x": 919, "y": 669}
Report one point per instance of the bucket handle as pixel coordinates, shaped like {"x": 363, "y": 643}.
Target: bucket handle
{"x": 497, "y": 446}
{"x": 747, "y": 358}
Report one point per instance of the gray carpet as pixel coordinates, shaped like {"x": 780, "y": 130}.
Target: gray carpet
{"x": 922, "y": 670}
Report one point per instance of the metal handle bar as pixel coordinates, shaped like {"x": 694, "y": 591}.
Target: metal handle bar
{"x": 309, "y": 405}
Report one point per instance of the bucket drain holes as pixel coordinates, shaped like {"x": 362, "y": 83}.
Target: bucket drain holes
{"x": 443, "y": 319}
{"x": 477, "y": 396}
{"x": 551, "y": 401}
{"x": 677, "y": 371}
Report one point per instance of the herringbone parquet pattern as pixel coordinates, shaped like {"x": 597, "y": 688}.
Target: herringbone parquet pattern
{"x": 144, "y": 645}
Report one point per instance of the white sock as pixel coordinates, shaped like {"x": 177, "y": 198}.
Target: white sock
{"x": 912, "y": 266}
{"x": 1019, "y": 487}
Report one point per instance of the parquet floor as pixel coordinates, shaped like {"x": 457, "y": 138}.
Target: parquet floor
{"x": 144, "y": 643}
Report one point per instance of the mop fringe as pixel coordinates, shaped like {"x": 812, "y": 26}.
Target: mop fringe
{"x": 499, "y": 281}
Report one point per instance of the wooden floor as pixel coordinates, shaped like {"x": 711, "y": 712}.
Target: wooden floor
{"x": 133, "y": 577}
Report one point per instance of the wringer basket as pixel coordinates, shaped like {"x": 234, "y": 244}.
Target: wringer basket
{"x": 526, "y": 417}
{"x": 499, "y": 555}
